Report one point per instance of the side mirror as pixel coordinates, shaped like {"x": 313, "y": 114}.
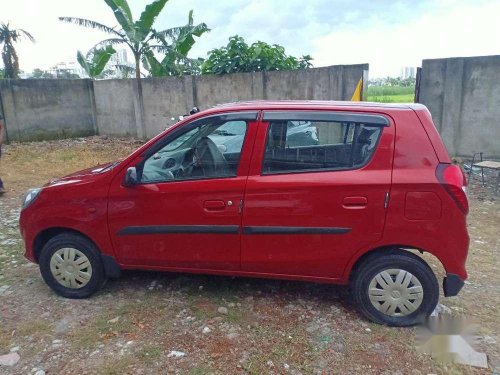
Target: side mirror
{"x": 130, "y": 177}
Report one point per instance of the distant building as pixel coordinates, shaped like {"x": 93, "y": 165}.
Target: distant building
{"x": 120, "y": 57}
{"x": 408, "y": 72}
{"x": 62, "y": 69}
{"x": 117, "y": 62}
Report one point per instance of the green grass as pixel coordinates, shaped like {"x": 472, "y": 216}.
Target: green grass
{"x": 200, "y": 370}
{"x": 392, "y": 98}
{"x": 391, "y": 94}
{"x": 149, "y": 354}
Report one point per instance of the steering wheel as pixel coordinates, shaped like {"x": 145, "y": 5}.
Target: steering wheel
{"x": 209, "y": 158}
{"x": 187, "y": 165}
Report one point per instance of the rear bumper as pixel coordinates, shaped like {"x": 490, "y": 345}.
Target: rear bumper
{"x": 452, "y": 285}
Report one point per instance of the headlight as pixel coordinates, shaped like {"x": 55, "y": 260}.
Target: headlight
{"x": 30, "y": 196}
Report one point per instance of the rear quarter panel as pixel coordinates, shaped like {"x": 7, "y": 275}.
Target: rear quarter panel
{"x": 421, "y": 214}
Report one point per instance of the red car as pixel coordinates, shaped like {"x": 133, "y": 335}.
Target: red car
{"x": 348, "y": 201}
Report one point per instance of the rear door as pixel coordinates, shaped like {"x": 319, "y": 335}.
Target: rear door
{"x": 316, "y": 191}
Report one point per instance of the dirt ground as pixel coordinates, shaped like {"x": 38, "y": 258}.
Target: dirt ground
{"x": 150, "y": 323}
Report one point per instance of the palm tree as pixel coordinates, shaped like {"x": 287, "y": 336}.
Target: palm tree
{"x": 137, "y": 35}
{"x": 9, "y": 55}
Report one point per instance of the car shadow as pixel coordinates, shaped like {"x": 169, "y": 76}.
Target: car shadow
{"x": 231, "y": 288}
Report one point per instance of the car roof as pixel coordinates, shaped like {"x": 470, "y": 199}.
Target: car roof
{"x": 323, "y": 105}
{"x": 311, "y": 104}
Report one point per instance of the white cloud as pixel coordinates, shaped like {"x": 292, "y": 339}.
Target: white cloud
{"x": 55, "y": 41}
{"x": 463, "y": 30}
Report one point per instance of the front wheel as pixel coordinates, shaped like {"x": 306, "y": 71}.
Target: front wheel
{"x": 71, "y": 265}
{"x": 396, "y": 289}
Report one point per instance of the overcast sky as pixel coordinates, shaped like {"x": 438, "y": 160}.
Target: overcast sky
{"x": 386, "y": 34}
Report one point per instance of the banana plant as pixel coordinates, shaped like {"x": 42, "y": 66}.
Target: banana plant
{"x": 139, "y": 35}
{"x": 175, "y": 44}
{"x": 95, "y": 60}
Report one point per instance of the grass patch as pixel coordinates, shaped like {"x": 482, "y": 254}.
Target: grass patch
{"x": 100, "y": 328}
{"x": 116, "y": 367}
{"x": 149, "y": 353}
{"x": 200, "y": 370}
{"x": 135, "y": 319}
{"x": 392, "y": 98}
{"x": 391, "y": 94}
{"x": 33, "y": 328}
{"x": 5, "y": 339}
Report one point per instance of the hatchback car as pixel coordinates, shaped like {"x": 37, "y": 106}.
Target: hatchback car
{"x": 330, "y": 192}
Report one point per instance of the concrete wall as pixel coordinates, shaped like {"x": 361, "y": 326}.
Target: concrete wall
{"x": 42, "y": 109}
{"x": 463, "y": 96}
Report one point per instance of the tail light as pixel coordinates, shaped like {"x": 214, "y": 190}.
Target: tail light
{"x": 453, "y": 179}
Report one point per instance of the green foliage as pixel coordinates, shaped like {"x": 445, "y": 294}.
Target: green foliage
{"x": 38, "y": 73}
{"x": 393, "y": 81}
{"x": 144, "y": 40}
{"x": 238, "y": 56}
{"x": 176, "y": 44}
{"x": 95, "y": 61}
{"x": 391, "y": 94}
{"x": 8, "y": 37}
{"x": 148, "y": 17}
{"x": 66, "y": 75}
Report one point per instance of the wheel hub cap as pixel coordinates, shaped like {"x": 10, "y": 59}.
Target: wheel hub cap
{"x": 71, "y": 268}
{"x": 395, "y": 292}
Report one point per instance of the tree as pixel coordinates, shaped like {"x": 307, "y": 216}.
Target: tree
{"x": 8, "y": 37}
{"x": 238, "y": 57}
{"x": 95, "y": 60}
{"x": 65, "y": 74}
{"x": 137, "y": 35}
{"x": 38, "y": 73}
{"x": 176, "y": 44}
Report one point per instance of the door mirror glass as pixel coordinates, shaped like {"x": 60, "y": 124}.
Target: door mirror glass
{"x": 130, "y": 177}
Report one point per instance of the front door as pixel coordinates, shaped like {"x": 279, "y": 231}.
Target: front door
{"x": 185, "y": 212}
{"x": 316, "y": 191}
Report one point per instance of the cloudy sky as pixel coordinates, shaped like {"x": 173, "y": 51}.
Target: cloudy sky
{"x": 386, "y": 34}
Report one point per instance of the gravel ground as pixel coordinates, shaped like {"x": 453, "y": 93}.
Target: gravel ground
{"x": 149, "y": 323}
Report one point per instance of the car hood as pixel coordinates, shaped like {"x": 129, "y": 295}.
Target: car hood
{"x": 85, "y": 174}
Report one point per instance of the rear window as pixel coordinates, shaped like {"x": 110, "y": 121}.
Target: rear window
{"x": 298, "y": 146}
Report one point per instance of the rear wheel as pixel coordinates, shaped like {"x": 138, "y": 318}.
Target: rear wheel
{"x": 396, "y": 289}
{"x": 71, "y": 265}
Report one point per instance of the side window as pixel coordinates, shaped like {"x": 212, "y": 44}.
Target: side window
{"x": 297, "y": 146}
{"x": 209, "y": 150}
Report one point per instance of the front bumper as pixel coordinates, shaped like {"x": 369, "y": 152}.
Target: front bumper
{"x": 452, "y": 284}
{"x": 28, "y": 238}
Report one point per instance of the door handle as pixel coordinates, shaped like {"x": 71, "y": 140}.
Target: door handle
{"x": 214, "y": 205}
{"x": 354, "y": 202}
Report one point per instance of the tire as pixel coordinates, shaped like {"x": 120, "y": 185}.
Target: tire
{"x": 71, "y": 266}
{"x": 398, "y": 304}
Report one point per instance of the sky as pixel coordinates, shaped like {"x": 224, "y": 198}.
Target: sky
{"x": 386, "y": 34}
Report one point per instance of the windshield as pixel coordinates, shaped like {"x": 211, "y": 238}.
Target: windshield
{"x": 177, "y": 144}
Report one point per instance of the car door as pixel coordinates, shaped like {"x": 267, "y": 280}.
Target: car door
{"x": 313, "y": 199}
{"x": 185, "y": 211}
